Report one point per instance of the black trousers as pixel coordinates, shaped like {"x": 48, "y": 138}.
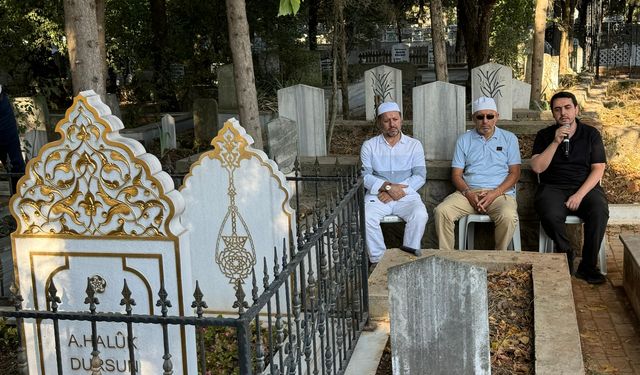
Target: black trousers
{"x": 10, "y": 152}
{"x": 593, "y": 210}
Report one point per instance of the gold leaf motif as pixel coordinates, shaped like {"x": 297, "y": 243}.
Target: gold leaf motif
{"x": 110, "y": 167}
{"x": 53, "y": 157}
{"x": 88, "y": 181}
{"x": 130, "y": 191}
{"x": 111, "y": 184}
{"x": 95, "y": 131}
{"x": 65, "y": 167}
{"x": 117, "y": 156}
{"x": 65, "y": 184}
{"x": 46, "y": 190}
{"x": 120, "y": 209}
{"x": 90, "y": 204}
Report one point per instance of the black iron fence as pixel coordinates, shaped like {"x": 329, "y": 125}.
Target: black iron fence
{"x": 619, "y": 50}
{"x": 306, "y": 321}
{"x": 418, "y": 55}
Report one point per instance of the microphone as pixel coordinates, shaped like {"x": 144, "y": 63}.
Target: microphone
{"x": 565, "y": 142}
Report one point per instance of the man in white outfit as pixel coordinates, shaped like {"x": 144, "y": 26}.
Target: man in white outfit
{"x": 394, "y": 169}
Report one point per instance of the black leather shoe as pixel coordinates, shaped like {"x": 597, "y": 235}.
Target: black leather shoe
{"x": 571, "y": 256}
{"x": 416, "y": 252}
{"x": 593, "y": 277}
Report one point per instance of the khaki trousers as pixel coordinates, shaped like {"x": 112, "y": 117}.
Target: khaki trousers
{"x": 503, "y": 211}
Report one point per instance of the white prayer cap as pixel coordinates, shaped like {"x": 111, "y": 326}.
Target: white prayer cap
{"x": 483, "y": 103}
{"x": 388, "y": 107}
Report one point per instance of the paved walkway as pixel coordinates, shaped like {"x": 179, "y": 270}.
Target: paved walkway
{"x": 609, "y": 329}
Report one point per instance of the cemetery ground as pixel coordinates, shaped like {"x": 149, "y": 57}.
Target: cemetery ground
{"x": 610, "y": 332}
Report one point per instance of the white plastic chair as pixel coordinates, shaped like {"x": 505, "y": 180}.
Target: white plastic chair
{"x": 466, "y": 232}
{"x": 546, "y": 244}
{"x": 391, "y": 219}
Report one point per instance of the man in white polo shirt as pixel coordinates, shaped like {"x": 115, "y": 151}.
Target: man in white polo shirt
{"x": 484, "y": 171}
{"x": 394, "y": 169}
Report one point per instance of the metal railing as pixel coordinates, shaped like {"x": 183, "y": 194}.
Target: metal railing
{"x": 306, "y": 321}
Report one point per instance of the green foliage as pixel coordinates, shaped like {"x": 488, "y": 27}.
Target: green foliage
{"x": 8, "y": 337}
{"x": 221, "y": 348}
{"x": 288, "y": 7}
{"x": 31, "y": 43}
{"x": 510, "y": 31}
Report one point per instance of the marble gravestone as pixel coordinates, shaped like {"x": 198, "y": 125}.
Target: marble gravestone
{"x": 227, "y": 100}
{"x": 305, "y": 105}
{"x": 439, "y": 318}
{"x": 399, "y": 53}
{"x": 382, "y": 82}
{"x": 521, "y": 93}
{"x": 205, "y": 119}
{"x": 95, "y": 209}
{"x": 494, "y": 81}
{"x": 282, "y": 139}
{"x": 237, "y": 211}
{"x": 356, "y": 100}
{"x": 168, "y": 132}
{"x": 438, "y": 118}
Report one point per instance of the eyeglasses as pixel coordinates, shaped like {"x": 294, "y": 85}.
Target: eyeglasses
{"x": 481, "y": 117}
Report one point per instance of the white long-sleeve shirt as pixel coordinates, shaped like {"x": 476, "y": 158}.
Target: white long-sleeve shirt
{"x": 404, "y": 163}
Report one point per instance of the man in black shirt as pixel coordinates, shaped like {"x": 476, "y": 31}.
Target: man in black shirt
{"x": 570, "y": 159}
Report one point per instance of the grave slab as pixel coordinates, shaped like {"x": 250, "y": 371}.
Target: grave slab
{"x": 385, "y": 83}
{"x": 521, "y": 94}
{"x": 305, "y": 105}
{"x": 631, "y": 270}
{"x": 227, "y": 88}
{"x": 168, "y": 134}
{"x": 282, "y": 140}
{"x": 95, "y": 208}
{"x": 439, "y": 318}
{"x": 494, "y": 81}
{"x": 205, "y": 120}
{"x": 238, "y": 212}
{"x": 557, "y": 338}
{"x": 438, "y": 118}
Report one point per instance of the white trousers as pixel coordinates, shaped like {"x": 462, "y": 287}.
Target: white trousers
{"x": 410, "y": 208}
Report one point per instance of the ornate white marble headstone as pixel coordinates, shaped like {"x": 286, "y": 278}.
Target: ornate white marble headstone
{"x": 94, "y": 207}
{"x": 237, "y": 212}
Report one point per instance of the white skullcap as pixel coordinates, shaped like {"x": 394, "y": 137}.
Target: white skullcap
{"x": 388, "y": 107}
{"x": 483, "y": 103}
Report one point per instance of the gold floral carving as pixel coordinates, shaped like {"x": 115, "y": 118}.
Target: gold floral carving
{"x": 89, "y": 183}
{"x": 235, "y": 251}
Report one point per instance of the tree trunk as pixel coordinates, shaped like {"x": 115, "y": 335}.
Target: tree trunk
{"x": 160, "y": 59}
{"x": 563, "y": 64}
{"x": 88, "y": 67}
{"x": 630, "y": 11}
{"x": 344, "y": 66}
{"x": 566, "y": 34}
{"x": 243, "y": 69}
{"x": 339, "y": 54}
{"x": 459, "y": 34}
{"x": 313, "y": 24}
{"x": 477, "y": 28}
{"x": 438, "y": 37}
{"x": 537, "y": 59}
{"x": 100, "y": 11}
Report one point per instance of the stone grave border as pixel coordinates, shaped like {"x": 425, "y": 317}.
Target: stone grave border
{"x": 557, "y": 338}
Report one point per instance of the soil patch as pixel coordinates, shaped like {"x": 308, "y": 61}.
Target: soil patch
{"x": 511, "y": 330}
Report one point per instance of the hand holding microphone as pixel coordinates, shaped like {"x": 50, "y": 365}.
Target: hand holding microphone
{"x": 565, "y": 141}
